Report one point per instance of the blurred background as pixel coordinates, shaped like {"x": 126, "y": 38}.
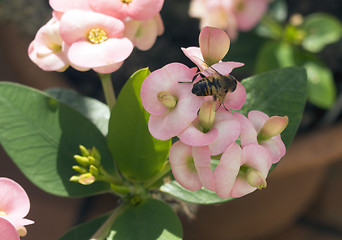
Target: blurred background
{"x": 304, "y": 194}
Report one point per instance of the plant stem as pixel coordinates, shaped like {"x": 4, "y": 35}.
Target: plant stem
{"x": 165, "y": 170}
{"x": 104, "y": 230}
{"x": 108, "y": 89}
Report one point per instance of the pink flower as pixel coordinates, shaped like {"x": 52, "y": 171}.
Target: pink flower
{"x": 224, "y": 130}
{"x": 7, "y": 230}
{"x": 65, "y": 5}
{"x": 171, "y": 104}
{"x": 143, "y": 33}
{"x": 133, "y": 9}
{"x": 191, "y": 166}
{"x": 261, "y": 129}
{"x": 241, "y": 171}
{"x": 14, "y": 204}
{"x": 95, "y": 41}
{"x": 214, "y": 45}
{"x": 47, "y": 49}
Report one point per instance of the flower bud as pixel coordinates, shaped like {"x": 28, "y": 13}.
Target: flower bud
{"x": 83, "y": 161}
{"x": 272, "y": 127}
{"x": 167, "y": 99}
{"x": 255, "y": 178}
{"x": 96, "y": 154}
{"x": 79, "y": 169}
{"x": 74, "y": 179}
{"x": 84, "y": 151}
{"x": 206, "y": 115}
{"x": 93, "y": 170}
{"x": 86, "y": 179}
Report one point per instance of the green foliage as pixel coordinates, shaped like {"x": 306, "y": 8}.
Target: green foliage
{"x": 320, "y": 30}
{"x": 279, "y": 92}
{"x": 41, "y": 135}
{"x": 139, "y": 156}
{"x": 150, "y": 219}
{"x": 94, "y": 110}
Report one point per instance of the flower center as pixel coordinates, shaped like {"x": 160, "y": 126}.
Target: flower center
{"x": 126, "y": 1}
{"x": 240, "y": 6}
{"x": 2, "y": 213}
{"x": 97, "y": 35}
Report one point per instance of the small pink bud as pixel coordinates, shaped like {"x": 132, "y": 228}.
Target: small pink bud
{"x": 167, "y": 99}
{"x": 272, "y": 127}
{"x": 206, "y": 115}
{"x": 255, "y": 178}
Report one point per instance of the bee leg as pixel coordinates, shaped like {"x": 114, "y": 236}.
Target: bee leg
{"x": 225, "y": 107}
{"x": 218, "y": 107}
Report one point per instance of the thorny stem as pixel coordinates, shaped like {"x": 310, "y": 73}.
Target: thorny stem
{"x": 108, "y": 89}
{"x": 103, "y": 231}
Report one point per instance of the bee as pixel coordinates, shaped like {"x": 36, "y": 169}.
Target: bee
{"x": 215, "y": 84}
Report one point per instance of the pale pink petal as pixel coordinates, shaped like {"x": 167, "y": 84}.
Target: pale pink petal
{"x": 65, "y": 5}
{"x": 250, "y": 13}
{"x": 111, "y": 51}
{"x": 76, "y": 24}
{"x": 183, "y": 167}
{"x": 13, "y": 199}
{"x": 227, "y": 170}
{"x": 214, "y": 44}
{"x": 143, "y": 34}
{"x": 273, "y": 127}
{"x": 228, "y": 128}
{"x": 258, "y": 119}
{"x": 202, "y": 161}
{"x": 167, "y": 79}
{"x": 195, "y": 55}
{"x": 226, "y": 68}
{"x": 275, "y": 147}
{"x": 194, "y": 137}
{"x": 160, "y": 24}
{"x": 253, "y": 156}
{"x": 48, "y": 38}
{"x": 108, "y": 69}
{"x": 7, "y": 230}
{"x": 114, "y": 8}
{"x": 248, "y": 134}
{"x": 235, "y": 100}
{"x": 143, "y": 9}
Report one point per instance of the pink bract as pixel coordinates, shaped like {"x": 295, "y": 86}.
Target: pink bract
{"x": 79, "y": 27}
{"x": 250, "y": 128}
{"x": 256, "y": 157}
{"x": 136, "y": 9}
{"x": 7, "y": 230}
{"x": 47, "y": 49}
{"x": 165, "y": 123}
{"x": 14, "y": 203}
{"x": 225, "y": 131}
{"x": 65, "y": 5}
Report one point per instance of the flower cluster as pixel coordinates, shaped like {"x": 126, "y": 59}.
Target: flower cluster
{"x": 14, "y": 206}
{"x": 95, "y": 34}
{"x": 230, "y": 15}
{"x": 205, "y": 125}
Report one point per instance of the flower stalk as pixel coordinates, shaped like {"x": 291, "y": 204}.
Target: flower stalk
{"x": 108, "y": 89}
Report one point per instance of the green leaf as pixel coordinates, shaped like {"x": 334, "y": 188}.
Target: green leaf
{"x": 139, "y": 156}
{"x": 273, "y": 55}
{"x": 279, "y": 92}
{"x": 321, "y": 85}
{"x": 321, "y": 29}
{"x": 41, "y": 135}
{"x": 94, "y": 110}
{"x": 151, "y": 219}
{"x": 85, "y": 230}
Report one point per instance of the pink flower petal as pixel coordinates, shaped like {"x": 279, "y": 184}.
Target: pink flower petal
{"x": 250, "y": 13}
{"x": 195, "y": 55}
{"x": 214, "y": 44}
{"x": 275, "y": 147}
{"x": 160, "y": 24}
{"x": 227, "y": 170}
{"x": 7, "y": 230}
{"x": 167, "y": 79}
{"x": 235, "y": 100}
{"x": 183, "y": 167}
{"x": 202, "y": 161}
{"x": 248, "y": 134}
{"x": 111, "y": 51}
{"x": 108, "y": 69}
{"x": 253, "y": 156}
{"x": 76, "y": 24}
{"x": 65, "y": 5}
{"x": 194, "y": 137}
{"x": 228, "y": 128}
{"x": 258, "y": 119}
{"x": 226, "y": 68}
{"x": 13, "y": 199}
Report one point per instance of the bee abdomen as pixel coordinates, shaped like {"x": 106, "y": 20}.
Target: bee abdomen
{"x": 202, "y": 88}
